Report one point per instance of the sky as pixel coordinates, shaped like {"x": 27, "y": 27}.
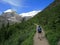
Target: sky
{"x": 23, "y": 6}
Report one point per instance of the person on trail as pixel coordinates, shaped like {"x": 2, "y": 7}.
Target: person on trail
{"x": 39, "y": 30}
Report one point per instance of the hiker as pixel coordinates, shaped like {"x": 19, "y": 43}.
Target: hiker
{"x": 39, "y": 30}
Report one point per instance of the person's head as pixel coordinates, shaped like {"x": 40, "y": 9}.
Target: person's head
{"x": 39, "y": 25}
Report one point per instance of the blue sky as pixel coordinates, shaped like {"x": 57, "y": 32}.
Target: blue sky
{"x": 23, "y": 6}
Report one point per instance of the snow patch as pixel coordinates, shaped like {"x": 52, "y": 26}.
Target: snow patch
{"x": 9, "y": 10}
{"x": 32, "y": 13}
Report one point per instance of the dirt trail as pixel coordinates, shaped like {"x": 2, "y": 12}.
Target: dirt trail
{"x": 58, "y": 43}
{"x": 43, "y": 41}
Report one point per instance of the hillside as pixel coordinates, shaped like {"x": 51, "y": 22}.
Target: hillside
{"x": 22, "y": 34}
{"x": 49, "y": 19}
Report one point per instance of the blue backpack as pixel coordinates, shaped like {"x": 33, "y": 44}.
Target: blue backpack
{"x": 39, "y": 28}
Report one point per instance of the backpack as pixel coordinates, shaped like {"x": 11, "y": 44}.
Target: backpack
{"x": 39, "y": 28}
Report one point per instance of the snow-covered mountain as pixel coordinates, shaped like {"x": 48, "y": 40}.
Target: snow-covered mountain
{"x": 28, "y": 15}
{"x": 32, "y": 13}
{"x": 11, "y": 16}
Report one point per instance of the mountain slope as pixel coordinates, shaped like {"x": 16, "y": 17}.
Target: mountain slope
{"x": 22, "y": 34}
{"x": 49, "y": 18}
{"x": 9, "y": 16}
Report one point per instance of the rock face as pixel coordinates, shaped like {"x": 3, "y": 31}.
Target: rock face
{"x": 9, "y": 16}
{"x": 12, "y": 16}
{"x": 27, "y": 18}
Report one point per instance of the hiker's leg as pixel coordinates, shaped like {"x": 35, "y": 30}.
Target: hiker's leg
{"x": 40, "y": 35}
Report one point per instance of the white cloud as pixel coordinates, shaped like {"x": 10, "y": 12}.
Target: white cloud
{"x": 32, "y": 13}
{"x": 13, "y": 2}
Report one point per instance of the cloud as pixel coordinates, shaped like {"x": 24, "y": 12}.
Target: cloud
{"x": 32, "y": 13}
{"x": 13, "y": 2}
